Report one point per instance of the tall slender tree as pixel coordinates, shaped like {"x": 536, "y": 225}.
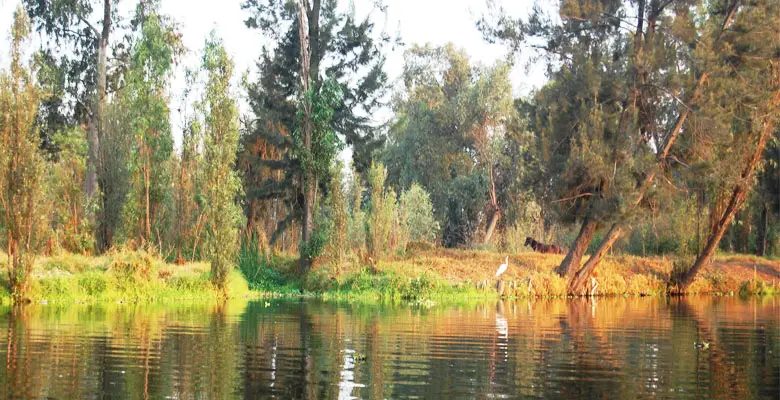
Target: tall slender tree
{"x": 222, "y": 184}
{"x": 147, "y": 98}
{"x": 21, "y": 164}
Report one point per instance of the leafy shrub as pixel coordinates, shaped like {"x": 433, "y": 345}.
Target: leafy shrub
{"x": 49, "y": 288}
{"x": 256, "y": 267}
{"x": 93, "y": 283}
{"x": 420, "y": 288}
{"x": 416, "y": 213}
{"x": 134, "y": 265}
{"x": 317, "y": 242}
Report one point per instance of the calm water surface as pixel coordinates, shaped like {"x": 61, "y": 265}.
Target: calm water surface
{"x": 609, "y": 348}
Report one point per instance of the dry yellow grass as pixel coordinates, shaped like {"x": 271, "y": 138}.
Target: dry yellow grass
{"x": 533, "y": 273}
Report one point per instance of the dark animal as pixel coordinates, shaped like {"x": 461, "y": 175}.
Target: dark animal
{"x": 540, "y": 247}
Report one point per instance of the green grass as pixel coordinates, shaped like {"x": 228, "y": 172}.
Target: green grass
{"x": 121, "y": 276}
{"x": 278, "y": 274}
{"x": 424, "y": 277}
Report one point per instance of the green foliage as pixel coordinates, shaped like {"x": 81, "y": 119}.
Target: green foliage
{"x": 527, "y": 223}
{"x": 320, "y": 237}
{"x": 93, "y": 283}
{"x": 338, "y": 244}
{"x": 325, "y": 144}
{"x": 454, "y": 131}
{"x": 257, "y": 267}
{"x": 381, "y": 213}
{"x": 134, "y": 266}
{"x": 416, "y": 213}
{"x": 65, "y": 195}
{"x": 21, "y": 164}
{"x": 188, "y": 184}
{"x": 348, "y": 84}
{"x": 115, "y": 170}
{"x": 68, "y": 62}
{"x": 356, "y": 229}
{"x": 146, "y": 101}
{"x": 222, "y": 184}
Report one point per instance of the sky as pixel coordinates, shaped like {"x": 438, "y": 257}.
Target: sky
{"x": 417, "y": 21}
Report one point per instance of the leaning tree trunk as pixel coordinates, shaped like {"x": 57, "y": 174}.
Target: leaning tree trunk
{"x": 736, "y": 200}
{"x": 496, "y": 210}
{"x": 578, "y": 284}
{"x": 492, "y": 226}
{"x": 664, "y": 151}
{"x": 571, "y": 263}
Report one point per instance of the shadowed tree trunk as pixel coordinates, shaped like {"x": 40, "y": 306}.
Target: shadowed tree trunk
{"x": 762, "y": 229}
{"x": 309, "y": 184}
{"x": 492, "y": 226}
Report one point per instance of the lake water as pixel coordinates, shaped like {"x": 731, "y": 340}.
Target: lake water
{"x": 609, "y": 348}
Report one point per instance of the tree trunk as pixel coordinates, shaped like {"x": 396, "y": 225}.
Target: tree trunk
{"x": 147, "y": 199}
{"x": 736, "y": 201}
{"x": 571, "y": 263}
{"x": 95, "y": 133}
{"x": 737, "y": 197}
{"x": 744, "y": 231}
{"x": 90, "y": 181}
{"x": 492, "y": 226}
{"x": 762, "y": 229}
{"x": 579, "y": 284}
{"x": 494, "y": 205}
{"x": 644, "y": 185}
{"x": 308, "y": 178}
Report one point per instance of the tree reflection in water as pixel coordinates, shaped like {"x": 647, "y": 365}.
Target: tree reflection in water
{"x": 612, "y": 347}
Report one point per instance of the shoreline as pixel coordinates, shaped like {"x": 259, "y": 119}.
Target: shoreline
{"x": 436, "y": 276}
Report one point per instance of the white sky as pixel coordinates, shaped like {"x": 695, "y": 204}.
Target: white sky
{"x": 418, "y": 21}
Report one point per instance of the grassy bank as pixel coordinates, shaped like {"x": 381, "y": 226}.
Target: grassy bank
{"x": 438, "y": 275}
{"x": 444, "y": 274}
{"x": 532, "y": 274}
{"x": 120, "y": 277}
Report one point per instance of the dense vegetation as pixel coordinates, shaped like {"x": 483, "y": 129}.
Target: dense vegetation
{"x": 656, "y": 134}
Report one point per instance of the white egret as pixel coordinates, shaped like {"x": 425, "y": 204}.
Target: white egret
{"x": 502, "y": 267}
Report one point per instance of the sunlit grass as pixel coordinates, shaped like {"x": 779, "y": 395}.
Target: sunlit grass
{"x": 423, "y": 277}
{"x": 121, "y": 276}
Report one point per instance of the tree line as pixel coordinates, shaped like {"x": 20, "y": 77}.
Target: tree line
{"x": 656, "y": 133}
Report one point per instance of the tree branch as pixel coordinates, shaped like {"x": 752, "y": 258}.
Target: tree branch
{"x": 573, "y": 197}
{"x": 89, "y": 24}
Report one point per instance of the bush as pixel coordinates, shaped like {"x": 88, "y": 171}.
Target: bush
{"x": 420, "y": 288}
{"x": 52, "y": 288}
{"x": 528, "y": 222}
{"x": 381, "y": 214}
{"x": 93, "y": 283}
{"x": 134, "y": 265}
{"x": 416, "y": 213}
{"x": 256, "y": 267}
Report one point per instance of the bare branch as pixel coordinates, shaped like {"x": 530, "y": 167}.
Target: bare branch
{"x": 573, "y": 197}
{"x": 89, "y": 24}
